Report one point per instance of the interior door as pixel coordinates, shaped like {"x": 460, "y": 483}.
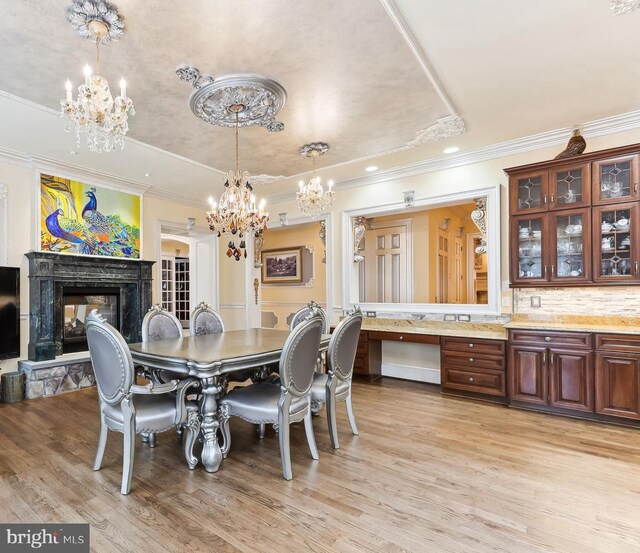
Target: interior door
{"x": 387, "y": 280}
{"x": 443, "y": 268}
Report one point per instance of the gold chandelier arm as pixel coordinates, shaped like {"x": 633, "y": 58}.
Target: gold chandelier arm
{"x": 97, "y": 55}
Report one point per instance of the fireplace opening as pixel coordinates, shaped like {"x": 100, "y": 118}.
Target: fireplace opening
{"x": 77, "y": 304}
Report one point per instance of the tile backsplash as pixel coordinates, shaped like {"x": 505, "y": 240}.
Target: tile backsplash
{"x": 611, "y": 300}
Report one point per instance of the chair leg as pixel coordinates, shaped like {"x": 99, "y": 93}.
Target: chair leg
{"x": 102, "y": 442}
{"x": 261, "y": 430}
{"x": 331, "y": 421}
{"x": 352, "y": 419}
{"x": 226, "y": 435}
{"x": 285, "y": 451}
{"x": 180, "y": 432}
{"x": 152, "y": 439}
{"x": 145, "y": 437}
{"x": 127, "y": 457}
{"x": 192, "y": 427}
{"x": 311, "y": 438}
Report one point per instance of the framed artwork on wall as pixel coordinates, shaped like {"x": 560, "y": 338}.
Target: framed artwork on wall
{"x": 282, "y": 265}
{"x": 78, "y": 218}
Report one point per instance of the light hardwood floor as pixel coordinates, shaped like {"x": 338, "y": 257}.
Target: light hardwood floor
{"x": 428, "y": 473}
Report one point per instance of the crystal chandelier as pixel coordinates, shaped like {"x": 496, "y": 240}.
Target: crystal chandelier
{"x": 236, "y": 214}
{"x": 312, "y": 199}
{"x": 95, "y": 112}
{"x": 618, "y": 7}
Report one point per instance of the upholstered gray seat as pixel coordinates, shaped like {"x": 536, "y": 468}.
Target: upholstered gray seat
{"x": 271, "y": 403}
{"x": 204, "y": 320}
{"x": 128, "y": 408}
{"x": 335, "y": 385}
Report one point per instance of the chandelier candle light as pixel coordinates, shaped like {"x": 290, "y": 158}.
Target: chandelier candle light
{"x": 236, "y": 214}
{"x": 312, "y": 199}
{"x": 95, "y": 111}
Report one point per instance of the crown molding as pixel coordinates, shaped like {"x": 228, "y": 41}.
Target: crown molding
{"x": 600, "y": 127}
{"x": 176, "y": 198}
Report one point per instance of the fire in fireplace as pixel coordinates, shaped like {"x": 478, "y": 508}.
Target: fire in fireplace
{"x": 78, "y": 303}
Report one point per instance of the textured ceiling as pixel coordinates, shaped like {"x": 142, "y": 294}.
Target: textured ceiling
{"x": 351, "y": 79}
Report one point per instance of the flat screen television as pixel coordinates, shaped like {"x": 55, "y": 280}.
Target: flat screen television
{"x": 9, "y": 312}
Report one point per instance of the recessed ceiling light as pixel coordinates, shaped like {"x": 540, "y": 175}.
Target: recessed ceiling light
{"x": 73, "y": 152}
{"x": 147, "y": 174}
{"x": 371, "y": 168}
{"x": 451, "y": 150}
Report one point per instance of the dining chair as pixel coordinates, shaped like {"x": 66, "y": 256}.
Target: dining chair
{"x": 308, "y": 310}
{"x": 335, "y": 384}
{"x": 268, "y": 402}
{"x": 132, "y": 409}
{"x": 204, "y": 320}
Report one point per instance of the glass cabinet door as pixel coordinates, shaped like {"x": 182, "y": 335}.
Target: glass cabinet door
{"x": 570, "y": 246}
{"x": 615, "y": 247}
{"x": 570, "y": 187}
{"x": 615, "y": 180}
{"x": 529, "y": 249}
{"x": 529, "y": 193}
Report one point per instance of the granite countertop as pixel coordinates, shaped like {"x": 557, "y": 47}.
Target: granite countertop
{"x": 499, "y": 331}
{"x": 492, "y": 331}
{"x": 577, "y": 323}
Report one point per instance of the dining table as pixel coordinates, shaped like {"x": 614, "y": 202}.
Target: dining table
{"x": 212, "y": 358}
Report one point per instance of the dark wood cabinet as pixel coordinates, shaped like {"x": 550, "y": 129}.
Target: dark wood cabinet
{"x": 473, "y": 365}
{"x": 576, "y": 223}
{"x": 551, "y": 369}
{"x": 368, "y": 360}
{"x": 571, "y": 379}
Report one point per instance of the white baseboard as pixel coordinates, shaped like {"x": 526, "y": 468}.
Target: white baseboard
{"x": 409, "y": 372}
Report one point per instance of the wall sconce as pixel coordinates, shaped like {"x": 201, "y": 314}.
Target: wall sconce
{"x": 283, "y": 219}
{"x": 191, "y": 223}
{"x": 409, "y": 198}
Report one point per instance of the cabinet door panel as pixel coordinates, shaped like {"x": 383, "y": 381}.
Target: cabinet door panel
{"x": 617, "y": 384}
{"x": 529, "y": 250}
{"x": 570, "y": 187}
{"x": 615, "y": 243}
{"x": 529, "y": 193}
{"x": 527, "y": 372}
{"x": 615, "y": 180}
{"x": 570, "y": 248}
{"x": 571, "y": 379}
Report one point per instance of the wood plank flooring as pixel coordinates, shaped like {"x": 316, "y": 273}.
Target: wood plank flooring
{"x": 428, "y": 473}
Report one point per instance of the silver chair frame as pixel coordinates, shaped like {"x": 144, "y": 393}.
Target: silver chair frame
{"x": 203, "y": 308}
{"x": 293, "y": 386}
{"x": 123, "y": 394}
{"x": 340, "y": 359}
{"x": 311, "y": 309}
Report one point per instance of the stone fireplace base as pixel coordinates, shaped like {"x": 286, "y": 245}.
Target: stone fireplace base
{"x": 66, "y": 373}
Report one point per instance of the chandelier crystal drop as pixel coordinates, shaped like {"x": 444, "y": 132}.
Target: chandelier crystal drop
{"x": 313, "y": 200}
{"x": 236, "y": 215}
{"x": 95, "y": 112}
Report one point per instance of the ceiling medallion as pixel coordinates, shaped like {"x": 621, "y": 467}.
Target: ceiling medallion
{"x": 95, "y": 111}
{"x": 618, "y": 7}
{"x": 446, "y": 127}
{"x": 258, "y": 99}
{"x": 312, "y": 199}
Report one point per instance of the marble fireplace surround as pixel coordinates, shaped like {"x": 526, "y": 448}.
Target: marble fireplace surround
{"x": 50, "y": 273}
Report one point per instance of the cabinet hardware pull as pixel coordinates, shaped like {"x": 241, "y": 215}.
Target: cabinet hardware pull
{"x": 547, "y": 338}
{"x": 471, "y": 379}
{"x": 635, "y": 187}
{"x": 636, "y": 265}
{"x": 470, "y": 345}
{"x": 401, "y": 337}
{"x": 470, "y": 359}
{"x": 551, "y": 198}
{"x": 553, "y": 270}
{"x": 551, "y": 358}
{"x": 545, "y": 198}
{"x": 544, "y": 357}
{"x": 546, "y": 271}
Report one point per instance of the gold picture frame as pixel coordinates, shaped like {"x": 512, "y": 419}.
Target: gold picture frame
{"x": 282, "y": 265}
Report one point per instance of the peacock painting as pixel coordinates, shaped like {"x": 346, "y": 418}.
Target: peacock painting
{"x": 76, "y": 218}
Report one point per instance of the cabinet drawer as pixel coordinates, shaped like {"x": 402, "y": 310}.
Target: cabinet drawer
{"x": 618, "y": 342}
{"x": 483, "y": 382}
{"x": 580, "y": 340}
{"x": 404, "y": 337}
{"x": 492, "y": 347}
{"x": 471, "y": 360}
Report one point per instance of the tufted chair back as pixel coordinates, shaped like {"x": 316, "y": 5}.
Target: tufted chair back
{"x": 343, "y": 345}
{"x": 204, "y": 320}
{"x": 159, "y": 324}
{"x": 299, "y": 355}
{"x": 111, "y": 359}
{"x": 307, "y": 311}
